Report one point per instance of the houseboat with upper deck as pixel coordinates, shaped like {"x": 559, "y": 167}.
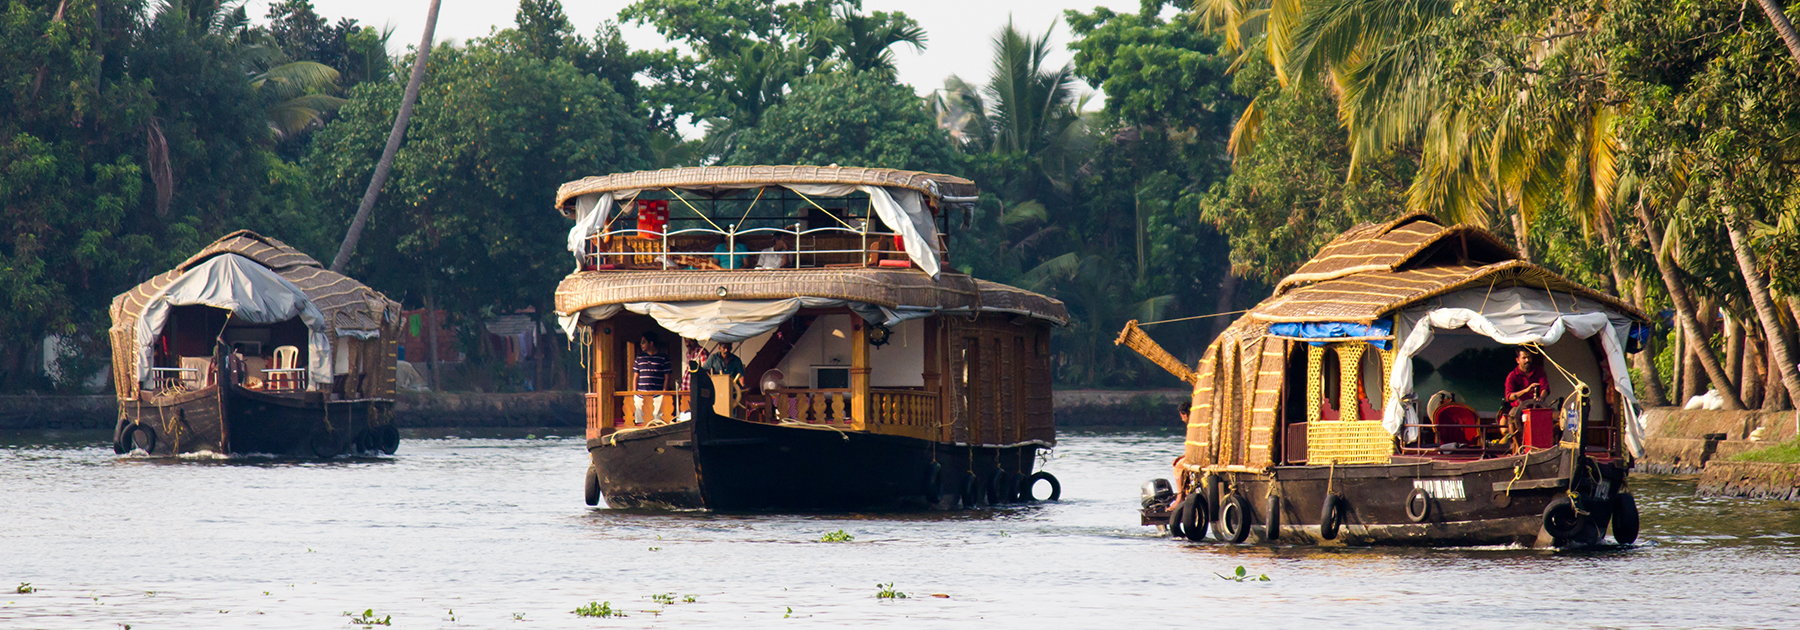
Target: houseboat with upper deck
{"x": 251, "y": 346}
{"x": 791, "y": 337}
{"x": 1379, "y": 397}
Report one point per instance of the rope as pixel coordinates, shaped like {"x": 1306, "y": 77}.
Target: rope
{"x": 1183, "y": 319}
{"x": 828, "y": 213}
{"x": 759, "y": 194}
{"x": 690, "y": 206}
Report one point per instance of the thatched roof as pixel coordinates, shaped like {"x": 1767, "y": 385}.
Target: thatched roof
{"x": 1373, "y": 270}
{"x": 346, "y": 303}
{"x": 1388, "y": 246}
{"x": 714, "y": 178}
{"x": 884, "y": 287}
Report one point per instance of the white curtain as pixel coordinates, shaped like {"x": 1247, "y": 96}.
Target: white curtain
{"x": 902, "y": 210}
{"x": 1515, "y": 327}
{"x": 252, "y": 293}
{"x": 732, "y": 320}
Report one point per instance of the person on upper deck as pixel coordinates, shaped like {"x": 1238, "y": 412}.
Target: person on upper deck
{"x": 1525, "y": 382}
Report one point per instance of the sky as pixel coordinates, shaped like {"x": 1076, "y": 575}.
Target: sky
{"x": 961, "y": 32}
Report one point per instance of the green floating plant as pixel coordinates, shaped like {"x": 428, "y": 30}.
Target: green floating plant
{"x": 887, "y": 592}
{"x": 598, "y": 609}
{"x": 837, "y": 536}
{"x": 1242, "y": 576}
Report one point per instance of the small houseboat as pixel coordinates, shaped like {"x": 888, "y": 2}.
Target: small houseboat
{"x": 251, "y": 346}
{"x": 865, "y": 373}
{"x": 1362, "y": 403}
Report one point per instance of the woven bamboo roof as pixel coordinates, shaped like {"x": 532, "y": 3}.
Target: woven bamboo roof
{"x": 346, "y": 303}
{"x": 891, "y": 288}
{"x": 1388, "y": 246}
{"x": 1373, "y": 270}
{"x": 714, "y": 178}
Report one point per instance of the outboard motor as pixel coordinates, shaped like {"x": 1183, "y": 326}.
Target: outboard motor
{"x": 1156, "y": 493}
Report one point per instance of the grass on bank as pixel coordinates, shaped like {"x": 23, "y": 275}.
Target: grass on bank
{"x": 1783, "y": 453}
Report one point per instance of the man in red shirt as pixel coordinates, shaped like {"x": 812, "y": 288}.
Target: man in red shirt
{"x": 1525, "y": 382}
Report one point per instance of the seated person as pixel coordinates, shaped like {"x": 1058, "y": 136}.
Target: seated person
{"x": 1525, "y": 382}
{"x": 731, "y": 257}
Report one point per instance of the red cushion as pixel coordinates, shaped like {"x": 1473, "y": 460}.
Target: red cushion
{"x": 894, "y": 263}
{"x": 1457, "y": 414}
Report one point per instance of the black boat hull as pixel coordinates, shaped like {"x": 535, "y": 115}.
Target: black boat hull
{"x": 228, "y": 419}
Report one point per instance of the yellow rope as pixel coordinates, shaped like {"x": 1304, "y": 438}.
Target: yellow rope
{"x": 828, "y": 213}
{"x": 759, "y": 194}
{"x": 690, "y": 206}
{"x": 1183, "y": 319}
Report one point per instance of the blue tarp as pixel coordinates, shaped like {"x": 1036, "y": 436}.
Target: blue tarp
{"x": 1325, "y": 331}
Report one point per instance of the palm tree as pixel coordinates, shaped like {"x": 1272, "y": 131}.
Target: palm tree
{"x": 297, "y": 96}
{"x": 1786, "y": 28}
{"x": 382, "y": 167}
{"x": 865, "y": 43}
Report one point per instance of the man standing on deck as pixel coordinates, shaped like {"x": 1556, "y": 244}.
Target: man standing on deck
{"x": 652, "y": 368}
{"x": 723, "y": 361}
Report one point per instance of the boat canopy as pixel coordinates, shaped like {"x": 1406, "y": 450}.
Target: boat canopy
{"x": 1514, "y": 316}
{"x": 899, "y": 198}
{"x": 251, "y": 292}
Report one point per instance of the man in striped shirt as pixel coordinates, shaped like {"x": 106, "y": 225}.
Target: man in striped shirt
{"x": 652, "y": 375}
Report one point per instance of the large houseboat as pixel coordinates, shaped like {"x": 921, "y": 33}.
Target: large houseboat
{"x": 1363, "y": 403}
{"x": 251, "y": 346}
{"x": 791, "y": 337}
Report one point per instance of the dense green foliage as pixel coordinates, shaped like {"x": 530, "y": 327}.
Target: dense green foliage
{"x": 849, "y": 119}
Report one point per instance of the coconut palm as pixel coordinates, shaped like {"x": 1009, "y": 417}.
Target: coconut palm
{"x": 297, "y": 97}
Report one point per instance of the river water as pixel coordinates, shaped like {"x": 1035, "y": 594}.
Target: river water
{"x": 487, "y": 530}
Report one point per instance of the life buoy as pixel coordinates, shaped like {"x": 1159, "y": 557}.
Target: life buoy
{"x": 1561, "y": 520}
{"x": 1027, "y": 488}
{"x": 1331, "y": 516}
{"x": 1625, "y": 519}
{"x": 1272, "y": 520}
{"x": 934, "y": 477}
{"x": 593, "y": 486}
{"x": 388, "y": 439}
{"x": 1234, "y": 520}
{"x": 1418, "y": 497}
{"x": 146, "y": 442}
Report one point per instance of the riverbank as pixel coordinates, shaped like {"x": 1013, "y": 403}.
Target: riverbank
{"x": 1074, "y": 409}
{"x": 1681, "y": 441}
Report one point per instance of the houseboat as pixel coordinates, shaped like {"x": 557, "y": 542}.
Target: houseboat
{"x": 792, "y": 338}
{"x": 251, "y": 346}
{"x": 1362, "y": 403}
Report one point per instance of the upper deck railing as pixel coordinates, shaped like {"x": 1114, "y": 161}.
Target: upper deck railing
{"x": 752, "y": 248}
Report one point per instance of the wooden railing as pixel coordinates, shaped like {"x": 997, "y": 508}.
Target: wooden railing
{"x": 811, "y": 406}
{"x": 626, "y": 405}
{"x": 903, "y": 411}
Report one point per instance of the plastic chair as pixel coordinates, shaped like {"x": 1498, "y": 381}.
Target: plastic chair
{"x": 286, "y": 357}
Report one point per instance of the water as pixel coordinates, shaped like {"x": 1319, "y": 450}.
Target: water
{"x": 490, "y": 532}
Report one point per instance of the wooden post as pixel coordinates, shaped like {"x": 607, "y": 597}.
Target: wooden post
{"x": 859, "y": 374}
{"x": 934, "y": 380}
{"x": 605, "y": 378}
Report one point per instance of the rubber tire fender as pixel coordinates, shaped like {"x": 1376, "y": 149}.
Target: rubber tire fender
{"x": 1272, "y": 520}
{"x": 1561, "y": 520}
{"x": 120, "y": 445}
{"x": 934, "y": 483}
{"x": 593, "y": 486}
{"x": 971, "y": 494}
{"x": 1234, "y": 520}
{"x": 1177, "y": 519}
{"x": 387, "y": 438}
{"x": 1423, "y": 499}
{"x": 323, "y": 443}
{"x": 997, "y": 487}
{"x": 1625, "y": 519}
{"x": 1029, "y": 484}
{"x": 1331, "y": 516}
{"x": 1192, "y": 514}
{"x": 131, "y": 439}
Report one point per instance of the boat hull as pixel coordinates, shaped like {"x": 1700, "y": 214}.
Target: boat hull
{"x": 1499, "y": 501}
{"x": 234, "y": 420}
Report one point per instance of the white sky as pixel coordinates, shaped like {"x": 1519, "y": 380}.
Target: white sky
{"x": 961, "y": 31}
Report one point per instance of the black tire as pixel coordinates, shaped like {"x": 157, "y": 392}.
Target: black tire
{"x": 1331, "y": 516}
{"x": 1272, "y": 520}
{"x": 1192, "y": 515}
{"x": 971, "y": 494}
{"x": 120, "y": 445}
{"x": 140, "y": 436}
{"x": 1027, "y": 487}
{"x": 997, "y": 487}
{"x": 593, "y": 486}
{"x": 1178, "y": 519}
{"x": 1625, "y": 519}
{"x": 1561, "y": 520}
{"x": 1234, "y": 520}
{"x": 387, "y": 438}
{"x": 1418, "y": 505}
{"x": 324, "y": 444}
{"x": 934, "y": 482}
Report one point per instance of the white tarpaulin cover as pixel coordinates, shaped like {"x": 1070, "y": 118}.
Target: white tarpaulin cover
{"x": 902, "y": 210}
{"x": 731, "y": 320}
{"x": 252, "y": 293}
{"x": 1513, "y": 316}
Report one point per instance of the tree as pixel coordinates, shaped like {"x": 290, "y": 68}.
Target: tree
{"x": 857, "y": 119}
